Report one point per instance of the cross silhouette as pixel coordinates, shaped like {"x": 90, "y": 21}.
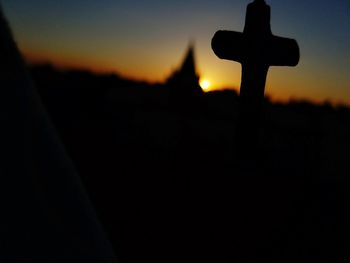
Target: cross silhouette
{"x": 256, "y": 49}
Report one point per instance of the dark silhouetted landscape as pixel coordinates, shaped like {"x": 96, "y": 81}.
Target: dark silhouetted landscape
{"x": 167, "y": 183}
{"x": 102, "y": 168}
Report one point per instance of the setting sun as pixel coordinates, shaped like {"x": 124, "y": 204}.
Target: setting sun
{"x": 205, "y": 84}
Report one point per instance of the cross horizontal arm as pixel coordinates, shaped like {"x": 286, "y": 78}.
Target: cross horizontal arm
{"x": 282, "y": 51}
{"x": 269, "y": 50}
{"x": 229, "y": 45}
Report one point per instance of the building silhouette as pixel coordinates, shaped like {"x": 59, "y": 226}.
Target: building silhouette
{"x": 183, "y": 83}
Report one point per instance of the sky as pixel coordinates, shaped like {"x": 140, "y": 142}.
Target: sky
{"x": 147, "y": 40}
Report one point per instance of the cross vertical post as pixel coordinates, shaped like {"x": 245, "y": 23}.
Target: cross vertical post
{"x": 256, "y": 49}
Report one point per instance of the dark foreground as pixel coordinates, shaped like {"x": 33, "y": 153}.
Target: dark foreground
{"x": 169, "y": 185}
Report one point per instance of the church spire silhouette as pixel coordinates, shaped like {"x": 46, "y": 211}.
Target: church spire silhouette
{"x": 186, "y": 77}
{"x": 188, "y": 67}
{"x": 184, "y": 82}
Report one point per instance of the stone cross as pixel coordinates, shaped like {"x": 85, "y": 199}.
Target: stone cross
{"x": 256, "y": 49}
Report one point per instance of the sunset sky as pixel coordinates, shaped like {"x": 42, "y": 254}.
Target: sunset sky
{"x": 148, "y": 39}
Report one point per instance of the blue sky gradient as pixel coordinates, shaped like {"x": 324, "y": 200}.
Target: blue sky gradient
{"x": 147, "y": 39}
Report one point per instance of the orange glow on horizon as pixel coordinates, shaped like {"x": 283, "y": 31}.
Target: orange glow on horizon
{"x": 275, "y": 91}
{"x": 65, "y": 62}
